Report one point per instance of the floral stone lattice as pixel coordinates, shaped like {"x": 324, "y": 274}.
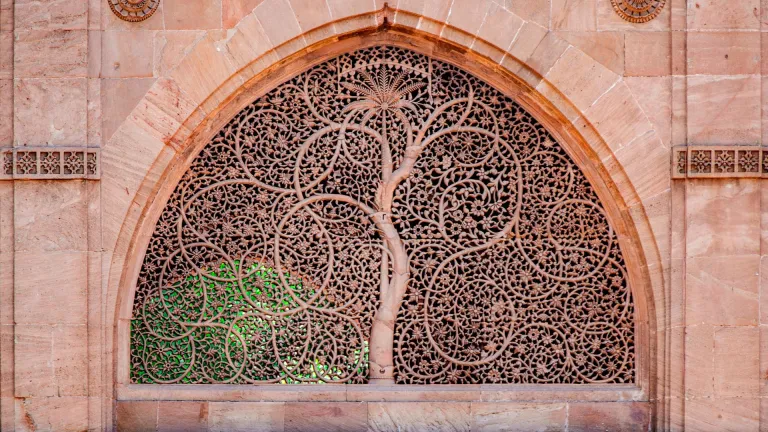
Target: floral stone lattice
{"x": 383, "y": 217}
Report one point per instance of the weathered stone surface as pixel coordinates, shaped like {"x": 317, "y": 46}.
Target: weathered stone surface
{"x": 654, "y": 95}
{"x": 51, "y": 54}
{"x": 419, "y": 416}
{"x": 607, "y": 48}
{"x": 118, "y": 98}
{"x": 51, "y": 14}
{"x": 34, "y": 376}
{"x": 699, "y": 361}
{"x": 137, "y": 416}
{"x": 723, "y": 53}
{"x": 70, "y": 359}
{"x": 723, "y": 218}
{"x": 581, "y": 79}
{"x": 234, "y": 10}
{"x": 50, "y": 111}
{"x": 648, "y": 53}
{"x": 127, "y": 55}
{"x": 52, "y": 297}
{"x": 719, "y": 415}
{"x": 6, "y": 112}
{"x": 732, "y": 280}
{"x": 170, "y": 47}
{"x": 59, "y": 414}
{"x": 537, "y": 11}
{"x": 621, "y": 416}
{"x": 278, "y": 21}
{"x": 574, "y": 15}
{"x": 182, "y": 416}
{"x": 727, "y": 109}
{"x": 49, "y": 215}
{"x": 192, "y": 14}
{"x": 246, "y": 416}
{"x": 497, "y": 417}
{"x": 316, "y": 416}
{"x": 724, "y": 14}
{"x": 737, "y": 362}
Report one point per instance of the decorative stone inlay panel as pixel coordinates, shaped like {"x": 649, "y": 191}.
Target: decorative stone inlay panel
{"x": 133, "y": 10}
{"x": 638, "y": 11}
{"x": 383, "y": 217}
{"x": 719, "y": 162}
{"x": 42, "y": 163}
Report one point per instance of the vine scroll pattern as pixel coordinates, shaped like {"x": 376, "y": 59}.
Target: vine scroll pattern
{"x": 383, "y": 217}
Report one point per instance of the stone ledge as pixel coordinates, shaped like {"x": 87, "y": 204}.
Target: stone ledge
{"x": 389, "y": 393}
{"x": 719, "y": 162}
{"x": 50, "y": 163}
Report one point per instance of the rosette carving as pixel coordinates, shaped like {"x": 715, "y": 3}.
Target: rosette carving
{"x": 134, "y": 10}
{"x": 638, "y": 11}
{"x": 383, "y": 217}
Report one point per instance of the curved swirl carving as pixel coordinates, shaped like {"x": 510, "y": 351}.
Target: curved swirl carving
{"x": 383, "y": 217}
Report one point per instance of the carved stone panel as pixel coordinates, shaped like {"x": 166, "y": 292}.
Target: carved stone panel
{"x": 719, "y": 162}
{"x": 52, "y": 163}
{"x": 383, "y": 217}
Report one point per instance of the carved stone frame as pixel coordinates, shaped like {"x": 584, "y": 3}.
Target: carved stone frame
{"x": 535, "y": 103}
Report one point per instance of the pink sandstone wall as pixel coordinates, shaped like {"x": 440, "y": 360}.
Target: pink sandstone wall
{"x": 71, "y": 73}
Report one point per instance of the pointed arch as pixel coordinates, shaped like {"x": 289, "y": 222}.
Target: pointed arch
{"x": 176, "y": 118}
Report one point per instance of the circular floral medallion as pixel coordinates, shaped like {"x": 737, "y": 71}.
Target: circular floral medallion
{"x": 134, "y": 10}
{"x": 638, "y": 11}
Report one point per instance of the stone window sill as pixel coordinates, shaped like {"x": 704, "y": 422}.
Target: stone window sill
{"x": 392, "y": 393}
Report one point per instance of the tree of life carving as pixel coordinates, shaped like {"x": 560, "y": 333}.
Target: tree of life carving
{"x": 383, "y": 217}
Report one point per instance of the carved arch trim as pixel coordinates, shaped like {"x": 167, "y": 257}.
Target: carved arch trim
{"x": 531, "y": 100}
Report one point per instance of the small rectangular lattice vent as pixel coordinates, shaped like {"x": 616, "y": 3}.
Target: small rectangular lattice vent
{"x": 54, "y": 163}
{"x": 719, "y": 162}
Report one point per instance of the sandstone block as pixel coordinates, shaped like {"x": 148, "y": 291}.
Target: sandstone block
{"x": 723, "y": 53}
{"x": 55, "y": 296}
{"x": 498, "y": 417}
{"x": 648, "y": 53}
{"x": 182, "y": 416}
{"x": 136, "y": 416}
{"x": 59, "y": 414}
{"x": 316, "y": 417}
{"x": 232, "y": 11}
{"x": 737, "y": 364}
{"x": 52, "y": 14}
{"x": 246, "y": 416}
{"x": 421, "y": 416}
{"x": 727, "y": 109}
{"x": 192, "y": 14}
{"x": 723, "y": 290}
{"x": 50, "y": 111}
{"x": 723, "y": 217}
{"x": 127, "y": 55}
{"x": 51, "y": 54}
{"x": 621, "y": 416}
{"x": 50, "y": 216}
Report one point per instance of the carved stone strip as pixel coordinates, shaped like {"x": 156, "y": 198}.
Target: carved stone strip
{"x": 54, "y": 163}
{"x": 719, "y": 162}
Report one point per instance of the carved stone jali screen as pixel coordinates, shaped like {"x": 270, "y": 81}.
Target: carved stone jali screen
{"x": 383, "y": 217}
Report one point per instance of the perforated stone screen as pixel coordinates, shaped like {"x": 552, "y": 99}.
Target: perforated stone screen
{"x": 383, "y": 217}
